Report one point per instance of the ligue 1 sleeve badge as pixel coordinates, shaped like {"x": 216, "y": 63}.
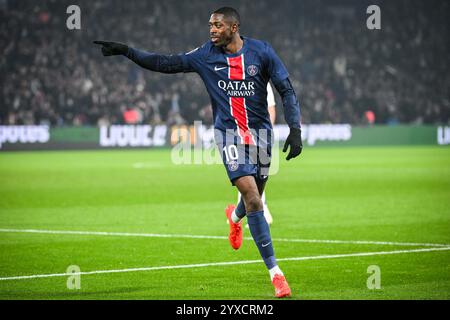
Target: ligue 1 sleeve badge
{"x": 252, "y": 70}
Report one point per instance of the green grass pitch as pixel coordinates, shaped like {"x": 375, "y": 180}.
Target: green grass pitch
{"x": 392, "y": 194}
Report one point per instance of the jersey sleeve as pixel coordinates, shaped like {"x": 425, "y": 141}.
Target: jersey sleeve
{"x": 156, "y": 62}
{"x": 193, "y": 60}
{"x": 276, "y": 68}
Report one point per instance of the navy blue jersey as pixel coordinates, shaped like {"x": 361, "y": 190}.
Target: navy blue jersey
{"x": 237, "y": 85}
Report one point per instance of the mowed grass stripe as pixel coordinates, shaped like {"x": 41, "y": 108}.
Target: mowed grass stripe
{"x": 156, "y": 235}
{"x": 382, "y": 193}
{"x": 215, "y": 264}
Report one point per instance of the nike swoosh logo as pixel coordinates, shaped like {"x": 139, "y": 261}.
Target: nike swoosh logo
{"x": 265, "y": 245}
{"x": 217, "y": 69}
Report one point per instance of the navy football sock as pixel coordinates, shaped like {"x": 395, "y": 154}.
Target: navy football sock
{"x": 240, "y": 209}
{"x": 261, "y": 234}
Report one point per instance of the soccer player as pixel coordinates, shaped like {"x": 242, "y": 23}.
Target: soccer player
{"x": 235, "y": 71}
{"x": 271, "y": 106}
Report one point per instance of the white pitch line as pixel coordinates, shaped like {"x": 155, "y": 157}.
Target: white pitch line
{"x": 158, "y": 235}
{"x": 215, "y": 264}
{"x": 121, "y": 234}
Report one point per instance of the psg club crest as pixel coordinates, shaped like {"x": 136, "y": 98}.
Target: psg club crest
{"x": 233, "y": 165}
{"x": 252, "y": 70}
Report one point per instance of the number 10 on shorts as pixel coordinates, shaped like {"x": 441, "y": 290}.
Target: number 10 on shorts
{"x": 231, "y": 152}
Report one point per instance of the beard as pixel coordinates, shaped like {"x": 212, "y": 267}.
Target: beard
{"x": 224, "y": 40}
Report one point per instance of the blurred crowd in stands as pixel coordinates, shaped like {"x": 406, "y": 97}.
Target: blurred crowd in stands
{"x": 342, "y": 71}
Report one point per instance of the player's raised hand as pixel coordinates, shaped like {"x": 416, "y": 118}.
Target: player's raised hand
{"x": 112, "y": 48}
{"x": 294, "y": 140}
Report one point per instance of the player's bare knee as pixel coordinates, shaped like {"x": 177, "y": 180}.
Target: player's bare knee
{"x": 253, "y": 203}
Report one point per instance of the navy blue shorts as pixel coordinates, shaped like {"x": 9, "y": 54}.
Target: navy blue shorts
{"x": 246, "y": 160}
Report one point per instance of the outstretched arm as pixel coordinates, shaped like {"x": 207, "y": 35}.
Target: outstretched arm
{"x": 147, "y": 60}
{"x": 291, "y": 109}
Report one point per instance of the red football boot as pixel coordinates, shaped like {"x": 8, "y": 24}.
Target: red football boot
{"x": 281, "y": 286}
{"x": 235, "y": 235}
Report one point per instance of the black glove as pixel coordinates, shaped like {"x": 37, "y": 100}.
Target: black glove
{"x": 112, "y": 48}
{"x": 295, "y": 141}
